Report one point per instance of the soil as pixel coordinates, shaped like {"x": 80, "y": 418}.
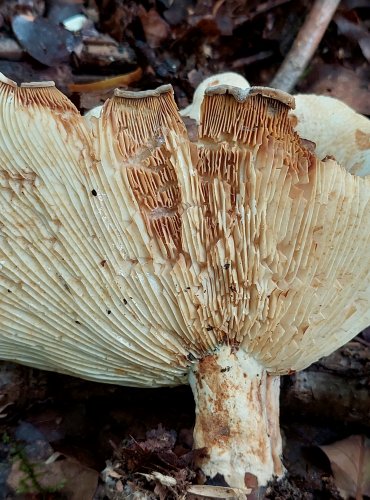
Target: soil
{"x": 67, "y": 438}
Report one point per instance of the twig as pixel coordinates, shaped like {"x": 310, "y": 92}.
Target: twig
{"x": 245, "y": 61}
{"x": 305, "y": 44}
{"x": 362, "y": 341}
{"x": 107, "y": 84}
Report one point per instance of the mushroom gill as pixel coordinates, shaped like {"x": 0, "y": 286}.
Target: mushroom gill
{"x": 131, "y": 255}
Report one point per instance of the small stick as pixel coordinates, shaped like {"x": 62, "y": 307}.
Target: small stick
{"x": 107, "y": 84}
{"x": 305, "y": 45}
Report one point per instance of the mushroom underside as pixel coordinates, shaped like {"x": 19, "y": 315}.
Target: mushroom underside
{"x": 131, "y": 255}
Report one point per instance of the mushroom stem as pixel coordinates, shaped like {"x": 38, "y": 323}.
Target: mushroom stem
{"x": 237, "y": 419}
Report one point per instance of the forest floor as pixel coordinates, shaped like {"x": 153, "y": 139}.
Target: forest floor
{"x": 62, "y": 437}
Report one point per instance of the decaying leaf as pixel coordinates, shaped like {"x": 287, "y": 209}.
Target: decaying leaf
{"x": 355, "y": 31}
{"x": 154, "y": 466}
{"x": 164, "y": 485}
{"x": 334, "y": 81}
{"x": 155, "y": 27}
{"x": 208, "y": 491}
{"x": 45, "y": 41}
{"x": 350, "y": 463}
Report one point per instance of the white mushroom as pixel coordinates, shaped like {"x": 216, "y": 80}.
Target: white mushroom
{"x": 130, "y": 255}
{"x": 336, "y": 129}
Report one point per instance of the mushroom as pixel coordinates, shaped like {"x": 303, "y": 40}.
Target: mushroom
{"x": 229, "y": 78}
{"x": 193, "y": 110}
{"x": 333, "y": 127}
{"x": 130, "y": 255}
{"x": 343, "y": 133}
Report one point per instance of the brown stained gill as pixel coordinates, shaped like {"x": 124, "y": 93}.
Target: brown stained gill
{"x": 141, "y": 123}
{"x": 265, "y": 116}
{"x": 41, "y": 96}
{"x": 219, "y": 164}
{"x": 23, "y": 180}
{"x": 156, "y": 190}
{"x": 262, "y": 115}
{"x": 46, "y": 96}
{"x": 142, "y": 119}
{"x": 232, "y": 132}
{"x": 64, "y": 283}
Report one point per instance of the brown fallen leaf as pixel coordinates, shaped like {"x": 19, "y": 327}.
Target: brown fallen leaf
{"x": 155, "y": 27}
{"x": 334, "y": 81}
{"x": 355, "y": 31}
{"x": 350, "y": 464}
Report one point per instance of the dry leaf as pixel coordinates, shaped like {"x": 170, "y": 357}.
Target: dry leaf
{"x": 350, "y": 463}
{"x": 224, "y": 492}
{"x": 155, "y": 27}
{"x": 334, "y": 81}
{"x": 162, "y": 479}
{"x": 355, "y": 31}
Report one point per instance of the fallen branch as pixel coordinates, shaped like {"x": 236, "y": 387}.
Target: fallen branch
{"x": 335, "y": 389}
{"x": 305, "y": 45}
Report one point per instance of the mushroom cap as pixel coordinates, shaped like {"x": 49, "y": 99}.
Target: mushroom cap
{"x": 127, "y": 252}
{"x": 336, "y": 129}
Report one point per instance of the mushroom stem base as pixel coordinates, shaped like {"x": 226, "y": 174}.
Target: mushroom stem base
{"x": 237, "y": 419}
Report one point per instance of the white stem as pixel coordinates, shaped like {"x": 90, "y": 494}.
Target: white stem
{"x": 237, "y": 419}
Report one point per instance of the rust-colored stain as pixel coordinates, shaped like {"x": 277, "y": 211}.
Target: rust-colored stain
{"x": 362, "y": 139}
{"x": 155, "y": 186}
{"x": 120, "y": 371}
{"x": 217, "y": 419}
{"x": 22, "y": 178}
{"x": 142, "y": 128}
{"x": 49, "y": 97}
{"x": 220, "y": 427}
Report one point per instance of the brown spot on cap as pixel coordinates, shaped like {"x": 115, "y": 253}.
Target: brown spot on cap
{"x": 362, "y": 139}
